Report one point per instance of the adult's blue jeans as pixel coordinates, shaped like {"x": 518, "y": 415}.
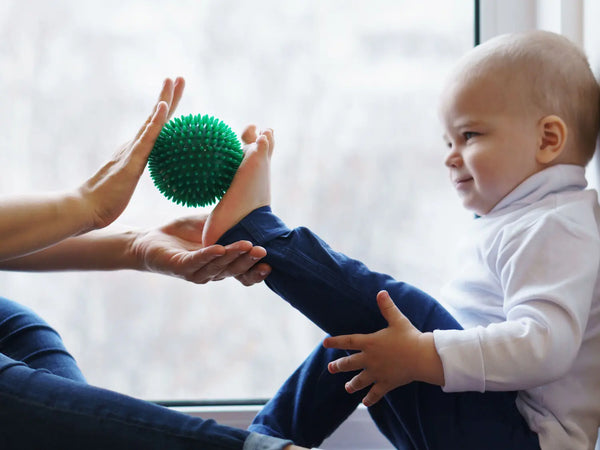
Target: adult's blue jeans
{"x": 45, "y": 402}
{"x": 338, "y": 294}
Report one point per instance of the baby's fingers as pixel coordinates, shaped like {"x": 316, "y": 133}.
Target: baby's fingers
{"x": 375, "y": 394}
{"x": 347, "y": 363}
{"x": 389, "y": 310}
{"x": 345, "y": 342}
{"x": 359, "y": 382}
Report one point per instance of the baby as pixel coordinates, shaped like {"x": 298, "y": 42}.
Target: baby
{"x": 511, "y": 359}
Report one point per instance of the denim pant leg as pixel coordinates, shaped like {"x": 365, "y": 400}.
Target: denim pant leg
{"x": 339, "y": 295}
{"x": 27, "y": 338}
{"x": 45, "y": 402}
{"x": 310, "y": 388}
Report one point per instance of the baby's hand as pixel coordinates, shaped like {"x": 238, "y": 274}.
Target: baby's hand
{"x": 389, "y": 358}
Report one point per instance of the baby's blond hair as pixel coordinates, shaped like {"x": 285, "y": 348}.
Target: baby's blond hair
{"x": 556, "y": 74}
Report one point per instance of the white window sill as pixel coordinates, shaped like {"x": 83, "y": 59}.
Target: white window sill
{"x": 358, "y": 432}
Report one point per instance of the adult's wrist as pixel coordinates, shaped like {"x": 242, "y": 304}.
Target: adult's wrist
{"x": 75, "y": 208}
{"x": 132, "y": 251}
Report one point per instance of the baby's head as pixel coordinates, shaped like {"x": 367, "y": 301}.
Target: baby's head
{"x": 518, "y": 103}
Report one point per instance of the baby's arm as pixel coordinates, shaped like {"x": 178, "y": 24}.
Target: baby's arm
{"x": 547, "y": 272}
{"x": 389, "y": 358}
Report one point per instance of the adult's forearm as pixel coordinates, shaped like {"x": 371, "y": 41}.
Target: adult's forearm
{"x": 98, "y": 250}
{"x": 32, "y": 223}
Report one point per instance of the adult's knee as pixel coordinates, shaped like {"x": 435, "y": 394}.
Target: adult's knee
{"x": 26, "y": 338}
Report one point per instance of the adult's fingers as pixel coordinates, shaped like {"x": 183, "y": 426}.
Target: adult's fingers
{"x": 178, "y": 88}
{"x": 166, "y": 95}
{"x": 244, "y": 262}
{"x": 218, "y": 268}
{"x": 257, "y": 274}
{"x": 144, "y": 144}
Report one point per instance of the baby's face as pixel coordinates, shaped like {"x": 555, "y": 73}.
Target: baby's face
{"x": 491, "y": 136}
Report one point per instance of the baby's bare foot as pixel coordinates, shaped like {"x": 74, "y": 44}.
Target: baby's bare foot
{"x": 250, "y": 189}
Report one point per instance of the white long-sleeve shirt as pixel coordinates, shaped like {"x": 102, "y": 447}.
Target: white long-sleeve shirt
{"x": 527, "y": 293}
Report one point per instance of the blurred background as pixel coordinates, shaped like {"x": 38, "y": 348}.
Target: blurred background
{"x": 350, "y": 88}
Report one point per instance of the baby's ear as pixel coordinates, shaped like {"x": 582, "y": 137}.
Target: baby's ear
{"x": 552, "y": 139}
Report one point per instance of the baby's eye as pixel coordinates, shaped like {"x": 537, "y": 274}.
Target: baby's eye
{"x": 469, "y": 134}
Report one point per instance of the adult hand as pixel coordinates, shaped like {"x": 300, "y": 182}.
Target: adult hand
{"x": 176, "y": 249}
{"x": 107, "y": 193}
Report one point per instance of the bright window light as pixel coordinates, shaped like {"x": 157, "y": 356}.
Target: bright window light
{"x": 350, "y": 88}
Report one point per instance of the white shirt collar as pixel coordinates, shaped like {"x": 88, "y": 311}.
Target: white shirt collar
{"x": 560, "y": 178}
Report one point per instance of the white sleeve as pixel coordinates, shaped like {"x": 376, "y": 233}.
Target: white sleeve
{"x": 547, "y": 273}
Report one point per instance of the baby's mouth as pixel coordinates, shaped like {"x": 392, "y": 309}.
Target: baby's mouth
{"x": 461, "y": 182}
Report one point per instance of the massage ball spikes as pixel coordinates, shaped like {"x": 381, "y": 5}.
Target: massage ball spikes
{"x": 194, "y": 160}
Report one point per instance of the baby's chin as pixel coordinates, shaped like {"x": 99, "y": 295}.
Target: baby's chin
{"x": 478, "y": 210}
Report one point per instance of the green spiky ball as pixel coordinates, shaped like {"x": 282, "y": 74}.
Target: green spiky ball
{"x": 194, "y": 160}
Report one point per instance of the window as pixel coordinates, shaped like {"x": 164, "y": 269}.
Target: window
{"x": 350, "y": 88}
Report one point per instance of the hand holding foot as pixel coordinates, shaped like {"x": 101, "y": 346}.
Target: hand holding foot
{"x": 250, "y": 188}
{"x": 176, "y": 250}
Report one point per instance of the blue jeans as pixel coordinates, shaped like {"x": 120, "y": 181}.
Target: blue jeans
{"x": 45, "y": 402}
{"x": 338, "y": 294}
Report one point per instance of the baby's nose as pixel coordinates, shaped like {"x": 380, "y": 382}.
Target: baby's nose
{"x": 453, "y": 159}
